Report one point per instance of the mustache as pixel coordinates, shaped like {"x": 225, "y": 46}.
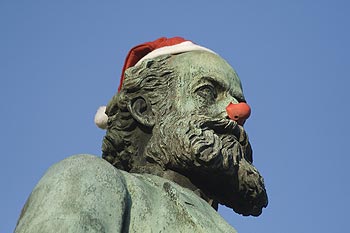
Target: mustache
{"x": 227, "y": 130}
{"x": 218, "y": 143}
{"x": 225, "y": 126}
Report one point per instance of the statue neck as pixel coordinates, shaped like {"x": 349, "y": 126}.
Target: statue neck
{"x": 176, "y": 177}
{"x": 186, "y": 183}
{"x": 141, "y": 165}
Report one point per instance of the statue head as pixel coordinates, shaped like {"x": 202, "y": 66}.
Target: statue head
{"x": 184, "y": 112}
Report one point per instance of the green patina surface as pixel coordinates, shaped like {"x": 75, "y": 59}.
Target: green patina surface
{"x": 84, "y": 193}
{"x": 167, "y": 127}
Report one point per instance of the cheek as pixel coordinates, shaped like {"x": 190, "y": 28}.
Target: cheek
{"x": 186, "y": 105}
{"x": 198, "y": 105}
{"x": 216, "y": 110}
{"x": 221, "y": 107}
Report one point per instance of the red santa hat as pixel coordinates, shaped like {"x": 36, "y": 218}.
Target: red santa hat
{"x": 148, "y": 50}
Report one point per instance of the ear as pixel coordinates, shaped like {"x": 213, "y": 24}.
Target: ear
{"x": 141, "y": 110}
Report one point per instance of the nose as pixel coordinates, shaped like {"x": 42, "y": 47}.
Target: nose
{"x": 238, "y": 112}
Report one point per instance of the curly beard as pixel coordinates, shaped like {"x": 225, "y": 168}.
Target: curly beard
{"x": 215, "y": 154}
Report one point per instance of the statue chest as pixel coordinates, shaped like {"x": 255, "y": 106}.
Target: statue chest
{"x": 158, "y": 205}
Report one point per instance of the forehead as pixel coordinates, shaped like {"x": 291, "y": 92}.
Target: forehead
{"x": 197, "y": 66}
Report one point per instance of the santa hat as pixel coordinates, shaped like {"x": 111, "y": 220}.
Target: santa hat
{"x": 148, "y": 50}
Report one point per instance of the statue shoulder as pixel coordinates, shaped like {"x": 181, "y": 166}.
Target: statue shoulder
{"x": 79, "y": 194}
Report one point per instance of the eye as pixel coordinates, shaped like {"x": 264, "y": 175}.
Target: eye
{"x": 207, "y": 92}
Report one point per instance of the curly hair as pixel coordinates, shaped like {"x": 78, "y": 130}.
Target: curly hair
{"x": 152, "y": 79}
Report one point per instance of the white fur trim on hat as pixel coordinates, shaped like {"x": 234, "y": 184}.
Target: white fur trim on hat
{"x": 174, "y": 49}
{"x": 101, "y": 117}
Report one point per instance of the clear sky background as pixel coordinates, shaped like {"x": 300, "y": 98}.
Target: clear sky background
{"x": 60, "y": 60}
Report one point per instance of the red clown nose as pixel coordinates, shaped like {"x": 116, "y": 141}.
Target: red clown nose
{"x": 238, "y": 112}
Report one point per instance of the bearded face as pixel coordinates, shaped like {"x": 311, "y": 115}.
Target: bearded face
{"x": 197, "y": 139}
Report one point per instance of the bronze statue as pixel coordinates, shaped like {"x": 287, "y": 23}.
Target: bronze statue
{"x": 176, "y": 141}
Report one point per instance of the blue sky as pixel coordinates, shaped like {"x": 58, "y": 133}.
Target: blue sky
{"x": 60, "y": 60}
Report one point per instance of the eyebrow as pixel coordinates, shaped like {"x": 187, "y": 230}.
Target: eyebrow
{"x": 218, "y": 83}
{"x": 224, "y": 86}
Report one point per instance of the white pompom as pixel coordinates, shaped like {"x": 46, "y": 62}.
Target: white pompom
{"x": 101, "y": 118}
